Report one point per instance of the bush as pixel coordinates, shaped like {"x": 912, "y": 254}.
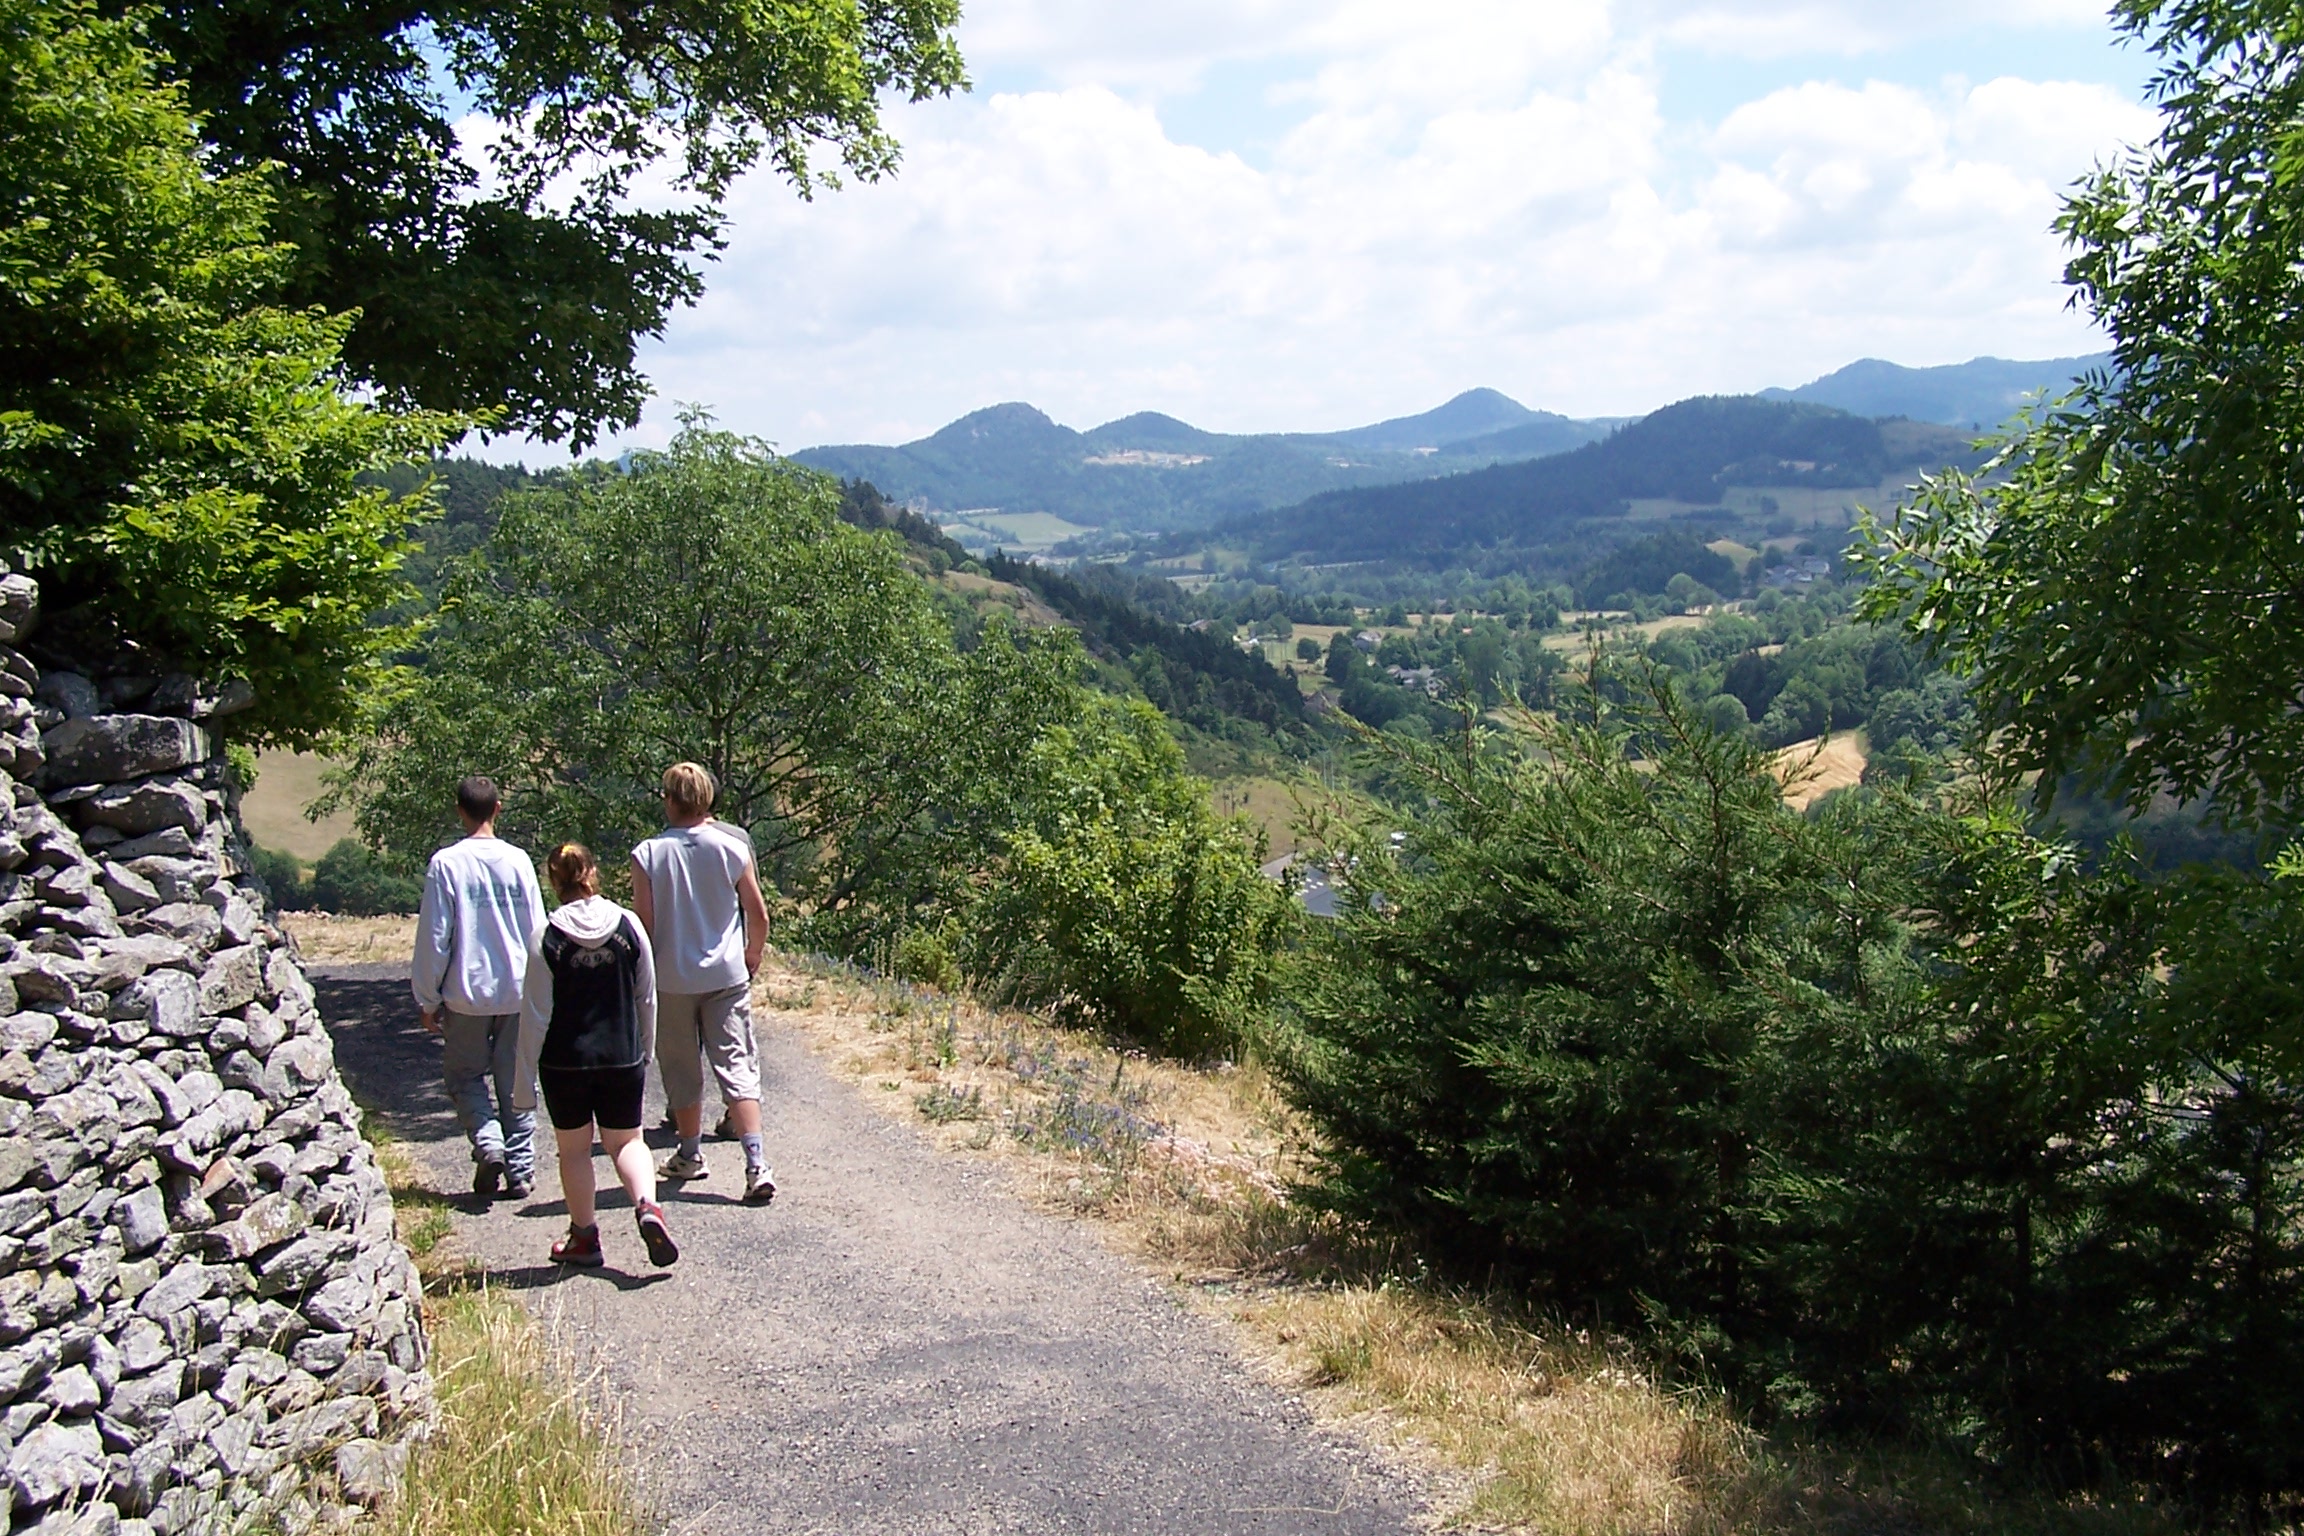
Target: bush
{"x": 1126, "y": 903}
{"x": 283, "y": 875}
{"x": 354, "y": 881}
{"x": 1887, "y": 1118}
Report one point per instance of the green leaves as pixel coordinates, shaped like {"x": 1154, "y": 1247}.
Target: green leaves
{"x": 174, "y": 449}
{"x": 709, "y": 605}
{"x": 521, "y": 285}
{"x": 2124, "y": 586}
{"x": 1123, "y": 901}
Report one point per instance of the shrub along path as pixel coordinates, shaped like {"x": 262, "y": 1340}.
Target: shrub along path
{"x": 897, "y": 1345}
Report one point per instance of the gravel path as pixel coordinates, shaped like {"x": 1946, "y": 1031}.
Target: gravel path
{"x": 897, "y": 1345}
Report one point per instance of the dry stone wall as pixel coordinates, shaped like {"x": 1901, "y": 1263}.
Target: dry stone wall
{"x": 206, "y": 1319}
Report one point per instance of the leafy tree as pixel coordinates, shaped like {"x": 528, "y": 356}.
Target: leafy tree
{"x": 174, "y": 449}
{"x": 2124, "y": 594}
{"x": 355, "y": 881}
{"x": 709, "y": 604}
{"x": 515, "y": 272}
{"x": 1123, "y": 900}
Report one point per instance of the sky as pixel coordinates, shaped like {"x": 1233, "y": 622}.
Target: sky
{"x": 1269, "y": 215}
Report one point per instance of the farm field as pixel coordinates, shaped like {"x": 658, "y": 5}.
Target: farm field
{"x": 286, "y": 782}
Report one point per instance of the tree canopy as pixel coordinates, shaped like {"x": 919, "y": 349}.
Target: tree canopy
{"x": 2127, "y": 597}
{"x": 174, "y": 449}
{"x": 511, "y": 267}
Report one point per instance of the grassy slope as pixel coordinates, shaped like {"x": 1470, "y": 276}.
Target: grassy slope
{"x": 286, "y": 782}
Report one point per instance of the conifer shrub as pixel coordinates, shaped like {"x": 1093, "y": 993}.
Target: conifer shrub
{"x": 1889, "y": 1119}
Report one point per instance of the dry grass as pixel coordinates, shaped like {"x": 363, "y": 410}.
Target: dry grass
{"x": 286, "y": 782}
{"x": 1528, "y": 1427}
{"x": 522, "y": 1445}
{"x": 323, "y": 936}
{"x": 1083, "y": 1127}
{"x": 1810, "y": 770}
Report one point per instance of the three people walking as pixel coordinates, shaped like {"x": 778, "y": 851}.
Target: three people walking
{"x": 569, "y": 1011}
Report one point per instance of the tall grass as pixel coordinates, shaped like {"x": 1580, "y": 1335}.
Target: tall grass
{"x": 522, "y": 1447}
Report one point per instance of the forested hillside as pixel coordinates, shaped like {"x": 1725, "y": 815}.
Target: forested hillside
{"x": 1689, "y": 452}
{"x": 1149, "y": 472}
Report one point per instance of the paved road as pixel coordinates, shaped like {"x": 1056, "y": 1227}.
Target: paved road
{"x": 897, "y": 1345}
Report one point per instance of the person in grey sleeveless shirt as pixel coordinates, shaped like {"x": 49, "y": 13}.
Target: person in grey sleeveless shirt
{"x": 697, "y": 892}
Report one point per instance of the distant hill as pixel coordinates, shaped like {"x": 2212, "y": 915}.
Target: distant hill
{"x": 1979, "y": 394}
{"x": 1149, "y": 472}
{"x": 1688, "y": 452}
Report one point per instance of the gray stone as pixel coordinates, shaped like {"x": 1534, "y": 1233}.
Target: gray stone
{"x": 193, "y": 923}
{"x": 265, "y": 1028}
{"x": 369, "y": 1471}
{"x": 232, "y": 979}
{"x": 66, "y": 885}
{"x": 174, "y": 1107}
{"x": 296, "y": 1266}
{"x": 27, "y": 1032}
{"x": 19, "y": 607}
{"x": 143, "y": 1221}
{"x": 297, "y": 1064}
{"x": 267, "y": 1223}
{"x": 45, "y": 979}
{"x": 72, "y": 1393}
{"x": 54, "y": 1462}
{"x": 137, "y": 1278}
{"x": 322, "y": 1353}
{"x": 142, "y": 1345}
{"x": 145, "y": 807}
{"x": 95, "y": 1520}
{"x": 167, "y": 1002}
{"x": 148, "y": 1401}
{"x": 168, "y": 843}
{"x": 328, "y": 1422}
{"x": 181, "y": 1286}
{"x": 286, "y": 981}
{"x": 150, "y": 951}
{"x": 342, "y": 1305}
{"x": 363, "y": 1372}
{"x": 69, "y": 694}
{"x": 200, "y": 1089}
{"x": 107, "y": 749}
{"x": 130, "y": 890}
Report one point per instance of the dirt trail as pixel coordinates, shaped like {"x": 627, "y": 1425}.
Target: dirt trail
{"x": 897, "y": 1345}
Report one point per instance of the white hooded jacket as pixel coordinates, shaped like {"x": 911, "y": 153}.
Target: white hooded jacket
{"x": 588, "y": 922}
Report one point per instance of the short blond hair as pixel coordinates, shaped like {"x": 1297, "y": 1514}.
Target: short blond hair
{"x": 690, "y": 788}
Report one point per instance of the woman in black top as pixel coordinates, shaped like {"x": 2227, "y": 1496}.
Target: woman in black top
{"x": 587, "y": 1029}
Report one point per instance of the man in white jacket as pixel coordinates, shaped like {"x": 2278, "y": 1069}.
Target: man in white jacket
{"x": 481, "y": 909}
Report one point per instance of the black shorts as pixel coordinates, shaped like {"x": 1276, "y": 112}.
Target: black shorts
{"x": 608, "y": 1097}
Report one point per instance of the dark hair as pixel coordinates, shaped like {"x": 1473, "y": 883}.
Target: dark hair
{"x": 573, "y": 871}
{"x": 476, "y": 797}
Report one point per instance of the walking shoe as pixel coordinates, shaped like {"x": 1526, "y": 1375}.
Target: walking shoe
{"x": 517, "y": 1187}
{"x": 683, "y": 1167}
{"x": 759, "y": 1185}
{"x": 725, "y": 1130}
{"x": 580, "y": 1249}
{"x": 661, "y": 1249}
{"x": 486, "y": 1174}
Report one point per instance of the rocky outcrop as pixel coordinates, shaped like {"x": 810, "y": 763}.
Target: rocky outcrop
{"x": 206, "y": 1318}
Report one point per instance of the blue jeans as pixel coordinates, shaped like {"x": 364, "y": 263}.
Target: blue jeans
{"x": 478, "y": 1048}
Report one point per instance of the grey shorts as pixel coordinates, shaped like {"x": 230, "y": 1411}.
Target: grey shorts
{"x": 693, "y": 1028}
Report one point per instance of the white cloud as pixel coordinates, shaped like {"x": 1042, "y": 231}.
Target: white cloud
{"x": 1466, "y": 192}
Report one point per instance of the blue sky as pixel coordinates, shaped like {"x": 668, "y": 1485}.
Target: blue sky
{"x": 1302, "y": 214}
